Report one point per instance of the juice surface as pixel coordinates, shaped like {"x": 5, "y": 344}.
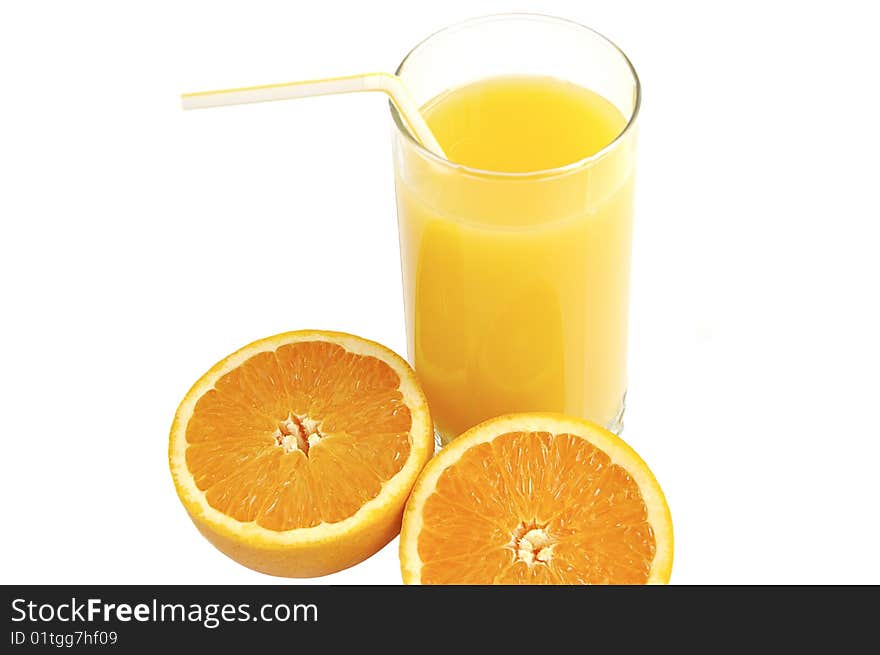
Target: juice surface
{"x": 522, "y": 124}
{"x": 516, "y": 286}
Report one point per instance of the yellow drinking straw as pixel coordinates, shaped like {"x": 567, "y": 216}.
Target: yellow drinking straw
{"x": 389, "y": 84}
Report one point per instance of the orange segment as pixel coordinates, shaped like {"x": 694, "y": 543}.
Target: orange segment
{"x": 536, "y": 499}
{"x": 295, "y": 454}
{"x": 233, "y": 435}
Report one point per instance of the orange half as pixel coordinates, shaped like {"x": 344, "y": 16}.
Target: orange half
{"x": 536, "y": 499}
{"x": 295, "y": 455}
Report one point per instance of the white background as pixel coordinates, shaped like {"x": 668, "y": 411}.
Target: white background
{"x": 140, "y": 244}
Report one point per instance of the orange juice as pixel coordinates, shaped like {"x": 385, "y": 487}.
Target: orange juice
{"x": 516, "y": 252}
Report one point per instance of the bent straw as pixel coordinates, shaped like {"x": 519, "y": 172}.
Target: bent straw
{"x": 389, "y": 84}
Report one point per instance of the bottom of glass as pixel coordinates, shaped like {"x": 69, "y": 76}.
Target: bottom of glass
{"x": 615, "y": 425}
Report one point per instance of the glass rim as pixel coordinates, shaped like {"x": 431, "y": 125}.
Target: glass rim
{"x": 545, "y": 172}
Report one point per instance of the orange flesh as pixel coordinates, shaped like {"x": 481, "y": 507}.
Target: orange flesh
{"x": 238, "y": 454}
{"x": 531, "y": 507}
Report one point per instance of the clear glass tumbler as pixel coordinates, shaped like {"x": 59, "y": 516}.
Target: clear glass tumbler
{"x": 516, "y": 284}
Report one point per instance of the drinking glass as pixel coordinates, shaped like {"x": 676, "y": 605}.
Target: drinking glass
{"x": 516, "y": 284}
